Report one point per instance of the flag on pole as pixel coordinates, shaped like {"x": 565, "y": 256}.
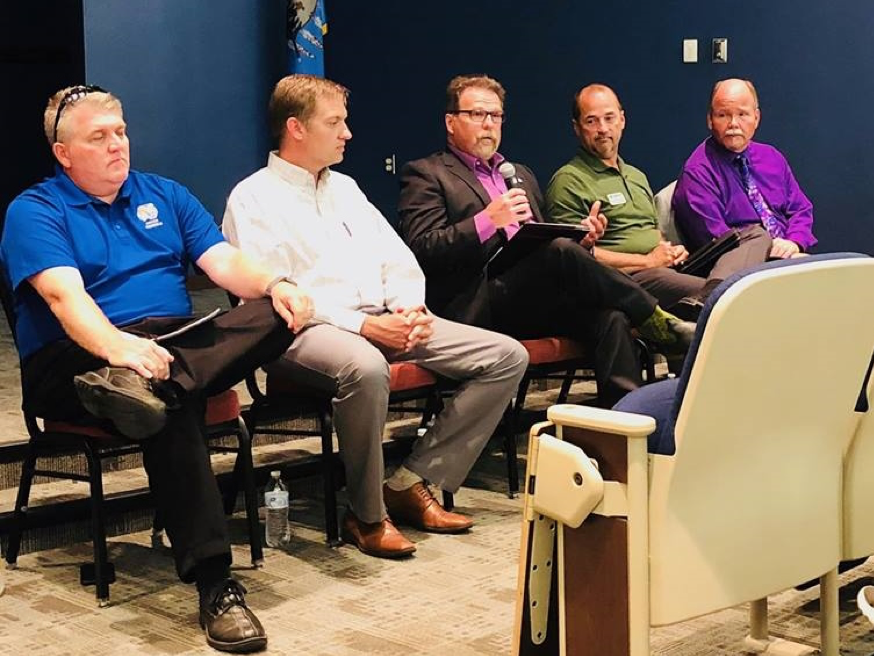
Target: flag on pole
{"x": 307, "y": 26}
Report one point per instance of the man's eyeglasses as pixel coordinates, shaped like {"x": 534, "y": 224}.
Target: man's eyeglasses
{"x": 74, "y": 95}
{"x": 480, "y": 115}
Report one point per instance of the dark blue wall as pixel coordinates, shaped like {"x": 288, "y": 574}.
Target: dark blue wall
{"x": 809, "y": 60}
{"x": 194, "y": 77}
{"x": 41, "y": 51}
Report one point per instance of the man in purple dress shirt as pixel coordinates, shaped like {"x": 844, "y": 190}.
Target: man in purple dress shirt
{"x": 456, "y": 212}
{"x": 731, "y": 181}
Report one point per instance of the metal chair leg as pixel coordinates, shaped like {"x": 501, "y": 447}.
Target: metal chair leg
{"x": 104, "y": 572}
{"x": 158, "y": 523}
{"x": 512, "y": 418}
{"x": 13, "y": 545}
{"x": 229, "y": 496}
{"x": 509, "y": 422}
{"x": 332, "y": 530}
{"x": 244, "y": 468}
{"x": 521, "y": 393}
{"x": 433, "y": 405}
{"x": 646, "y": 360}
{"x": 566, "y": 385}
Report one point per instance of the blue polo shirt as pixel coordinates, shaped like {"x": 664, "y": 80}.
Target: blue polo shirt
{"x": 133, "y": 255}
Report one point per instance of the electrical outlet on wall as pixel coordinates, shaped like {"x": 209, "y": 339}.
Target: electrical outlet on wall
{"x": 720, "y": 51}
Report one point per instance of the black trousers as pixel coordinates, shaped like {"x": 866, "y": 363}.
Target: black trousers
{"x": 209, "y": 359}
{"x": 561, "y": 289}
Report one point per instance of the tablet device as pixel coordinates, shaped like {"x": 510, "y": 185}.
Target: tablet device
{"x": 701, "y": 261}
{"x": 530, "y": 237}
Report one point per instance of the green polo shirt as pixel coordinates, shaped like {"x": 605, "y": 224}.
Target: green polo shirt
{"x": 625, "y": 195}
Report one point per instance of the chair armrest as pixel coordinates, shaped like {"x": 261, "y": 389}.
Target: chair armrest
{"x": 603, "y": 421}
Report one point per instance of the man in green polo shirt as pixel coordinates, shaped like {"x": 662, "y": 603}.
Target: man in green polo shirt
{"x": 632, "y": 241}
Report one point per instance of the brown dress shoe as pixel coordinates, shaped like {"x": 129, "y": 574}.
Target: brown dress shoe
{"x": 229, "y": 624}
{"x": 381, "y": 539}
{"x": 417, "y": 507}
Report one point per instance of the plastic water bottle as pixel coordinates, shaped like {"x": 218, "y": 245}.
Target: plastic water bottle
{"x": 278, "y": 531}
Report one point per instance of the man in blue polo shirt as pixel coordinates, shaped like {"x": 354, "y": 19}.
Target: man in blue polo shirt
{"x": 97, "y": 259}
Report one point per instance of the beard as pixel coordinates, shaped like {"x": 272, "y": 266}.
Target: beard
{"x": 485, "y": 147}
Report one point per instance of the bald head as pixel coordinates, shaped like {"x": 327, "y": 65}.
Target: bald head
{"x": 587, "y": 92}
{"x": 734, "y": 113}
{"x": 734, "y": 85}
{"x": 598, "y": 122}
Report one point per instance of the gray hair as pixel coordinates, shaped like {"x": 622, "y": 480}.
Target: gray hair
{"x": 749, "y": 84}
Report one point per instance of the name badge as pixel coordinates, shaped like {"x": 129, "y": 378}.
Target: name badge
{"x": 617, "y": 198}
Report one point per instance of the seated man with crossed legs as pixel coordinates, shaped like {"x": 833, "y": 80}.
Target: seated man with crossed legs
{"x": 97, "y": 258}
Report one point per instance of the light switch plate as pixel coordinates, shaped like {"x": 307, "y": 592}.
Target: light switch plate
{"x": 690, "y": 51}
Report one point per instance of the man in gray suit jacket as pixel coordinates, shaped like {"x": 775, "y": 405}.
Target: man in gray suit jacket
{"x": 456, "y": 212}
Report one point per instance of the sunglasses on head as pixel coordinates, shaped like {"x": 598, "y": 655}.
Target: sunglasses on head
{"x": 74, "y": 95}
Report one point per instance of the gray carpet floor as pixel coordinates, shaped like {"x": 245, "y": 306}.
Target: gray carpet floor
{"x": 455, "y": 596}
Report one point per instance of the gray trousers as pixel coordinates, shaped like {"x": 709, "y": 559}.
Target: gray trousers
{"x": 488, "y": 367}
{"x": 668, "y": 285}
{"x": 753, "y": 249}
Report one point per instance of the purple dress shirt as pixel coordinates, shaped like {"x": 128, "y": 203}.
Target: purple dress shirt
{"x": 710, "y": 198}
{"x": 494, "y": 184}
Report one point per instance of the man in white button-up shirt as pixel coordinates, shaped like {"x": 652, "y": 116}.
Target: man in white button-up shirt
{"x": 316, "y": 226}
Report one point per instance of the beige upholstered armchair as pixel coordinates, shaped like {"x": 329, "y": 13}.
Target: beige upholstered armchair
{"x": 744, "y": 496}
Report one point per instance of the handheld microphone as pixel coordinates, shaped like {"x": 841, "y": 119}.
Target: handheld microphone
{"x": 508, "y": 172}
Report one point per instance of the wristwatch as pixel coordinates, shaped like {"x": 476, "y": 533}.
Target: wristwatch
{"x": 278, "y": 279}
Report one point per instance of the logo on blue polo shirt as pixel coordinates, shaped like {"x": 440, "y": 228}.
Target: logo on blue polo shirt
{"x": 148, "y": 214}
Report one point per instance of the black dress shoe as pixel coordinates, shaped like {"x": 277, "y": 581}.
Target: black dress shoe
{"x": 125, "y": 398}
{"x": 682, "y": 333}
{"x": 688, "y": 308}
{"x": 229, "y": 624}
{"x": 667, "y": 333}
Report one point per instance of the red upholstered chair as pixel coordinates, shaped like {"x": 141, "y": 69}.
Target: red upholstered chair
{"x": 57, "y": 439}
{"x": 283, "y": 398}
{"x": 547, "y": 357}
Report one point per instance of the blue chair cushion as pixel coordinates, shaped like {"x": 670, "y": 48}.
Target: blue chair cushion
{"x": 655, "y": 400}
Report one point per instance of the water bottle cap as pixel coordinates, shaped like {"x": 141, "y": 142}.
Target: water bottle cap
{"x": 276, "y": 474}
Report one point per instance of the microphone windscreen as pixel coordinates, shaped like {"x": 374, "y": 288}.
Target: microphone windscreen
{"x": 507, "y": 170}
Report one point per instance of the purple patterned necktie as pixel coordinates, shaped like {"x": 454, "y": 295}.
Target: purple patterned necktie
{"x": 772, "y": 225}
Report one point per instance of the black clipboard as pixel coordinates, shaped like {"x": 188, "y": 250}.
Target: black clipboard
{"x": 530, "y": 237}
{"x": 701, "y": 261}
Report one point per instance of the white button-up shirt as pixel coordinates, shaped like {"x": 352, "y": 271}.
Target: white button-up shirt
{"x": 328, "y": 238}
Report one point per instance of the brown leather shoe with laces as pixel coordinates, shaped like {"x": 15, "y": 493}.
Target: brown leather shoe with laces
{"x": 380, "y": 539}
{"x": 229, "y": 624}
{"x": 417, "y": 507}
